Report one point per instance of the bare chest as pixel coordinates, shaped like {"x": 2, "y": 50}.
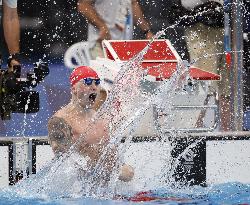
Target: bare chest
{"x": 91, "y": 132}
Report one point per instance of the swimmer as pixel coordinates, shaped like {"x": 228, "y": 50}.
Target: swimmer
{"x": 68, "y": 124}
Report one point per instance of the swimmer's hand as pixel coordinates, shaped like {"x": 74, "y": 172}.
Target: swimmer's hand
{"x": 126, "y": 173}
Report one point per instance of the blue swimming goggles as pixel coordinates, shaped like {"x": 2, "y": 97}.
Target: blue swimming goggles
{"x": 89, "y": 81}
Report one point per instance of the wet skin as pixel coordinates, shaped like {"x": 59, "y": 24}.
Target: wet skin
{"x": 74, "y": 124}
{"x": 77, "y": 117}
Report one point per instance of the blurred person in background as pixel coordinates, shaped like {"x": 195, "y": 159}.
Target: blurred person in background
{"x": 112, "y": 19}
{"x": 204, "y": 32}
{"x": 11, "y": 31}
{"x": 161, "y": 15}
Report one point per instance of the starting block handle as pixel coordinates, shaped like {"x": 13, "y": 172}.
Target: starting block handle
{"x": 106, "y": 43}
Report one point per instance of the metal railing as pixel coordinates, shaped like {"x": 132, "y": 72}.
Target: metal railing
{"x": 203, "y": 109}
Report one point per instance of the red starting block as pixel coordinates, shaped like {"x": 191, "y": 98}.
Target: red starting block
{"x": 161, "y": 58}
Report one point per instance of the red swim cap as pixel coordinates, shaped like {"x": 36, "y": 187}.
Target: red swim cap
{"x": 81, "y": 73}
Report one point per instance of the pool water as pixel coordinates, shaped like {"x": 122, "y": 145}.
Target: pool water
{"x": 228, "y": 193}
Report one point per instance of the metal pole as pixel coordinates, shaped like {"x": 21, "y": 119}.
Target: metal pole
{"x": 236, "y": 76}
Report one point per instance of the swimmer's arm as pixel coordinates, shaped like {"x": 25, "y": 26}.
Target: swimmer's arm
{"x": 59, "y": 133}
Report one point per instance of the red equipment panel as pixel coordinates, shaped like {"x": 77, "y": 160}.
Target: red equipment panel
{"x": 161, "y": 58}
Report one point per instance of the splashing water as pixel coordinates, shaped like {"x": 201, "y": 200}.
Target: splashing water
{"x": 67, "y": 176}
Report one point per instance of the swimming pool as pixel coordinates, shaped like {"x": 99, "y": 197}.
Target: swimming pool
{"x": 228, "y": 193}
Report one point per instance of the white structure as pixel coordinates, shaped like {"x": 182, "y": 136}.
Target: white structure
{"x": 192, "y": 110}
{"x": 217, "y": 158}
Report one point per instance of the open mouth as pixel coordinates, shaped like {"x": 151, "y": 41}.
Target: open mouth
{"x": 92, "y": 97}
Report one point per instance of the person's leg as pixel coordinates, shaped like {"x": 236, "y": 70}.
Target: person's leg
{"x": 205, "y": 45}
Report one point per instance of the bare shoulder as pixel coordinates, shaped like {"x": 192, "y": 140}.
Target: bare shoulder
{"x": 59, "y": 129}
{"x": 62, "y": 112}
{"x": 57, "y": 121}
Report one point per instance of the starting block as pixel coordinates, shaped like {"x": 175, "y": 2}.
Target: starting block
{"x": 161, "y": 61}
{"x": 161, "y": 58}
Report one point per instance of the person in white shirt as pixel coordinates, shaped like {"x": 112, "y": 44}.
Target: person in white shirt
{"x": 205, "y": 44}
{"x": 112, "y": 19}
